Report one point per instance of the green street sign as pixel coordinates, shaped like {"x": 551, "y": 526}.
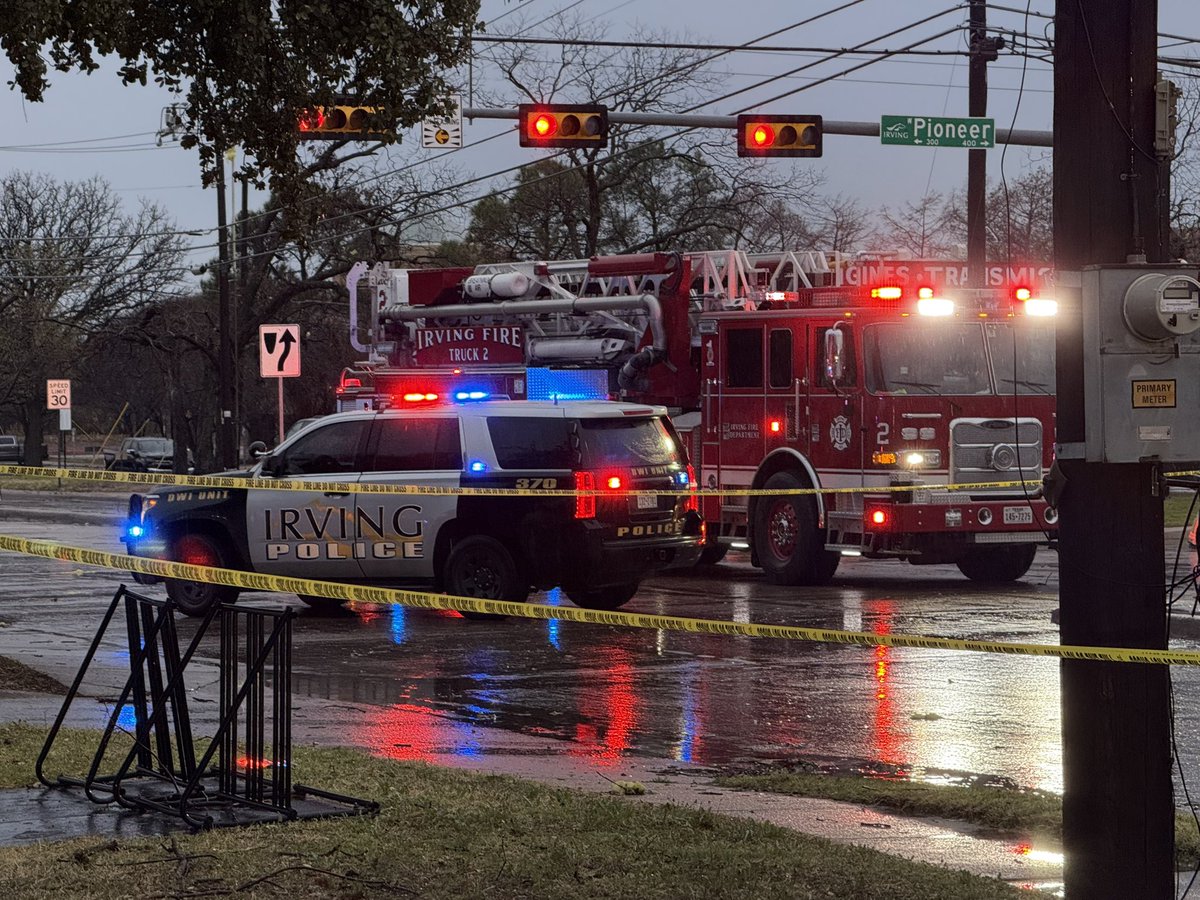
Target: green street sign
{"x": 937, "y": 131}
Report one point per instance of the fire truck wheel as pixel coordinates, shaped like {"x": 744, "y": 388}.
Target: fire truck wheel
{"x": 196, "y": 598}
{"x": 612, "y": 597}
{"x": 998, "y": 564}
{"x": 481, "y": 566}
{"x": 789, "y": 545}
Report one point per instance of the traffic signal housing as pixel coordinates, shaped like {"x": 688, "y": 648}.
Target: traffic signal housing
{"x": 767, "y": 135}
{"x": 563, "y": 125}
{"x": 341, "y": 122}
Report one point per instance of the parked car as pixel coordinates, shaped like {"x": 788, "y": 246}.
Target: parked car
{"x": 10, "y": 449}
{"x": 299, "y": 425}
{"x": 145, "y": 454}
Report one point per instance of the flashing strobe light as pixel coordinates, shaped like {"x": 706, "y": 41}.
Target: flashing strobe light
{"x": 477, "y": 466}
{"x": 471, "y": 395}
{"x": 613, "y": 482}
{"x": 776, "y": 426}
{"x": 889, "y": 292}
{"x": 1041, "y": 306}
{"x": 135, "y": 531}
{"x": 929, "y": 305}
{"x": 419, "y": 397}
{"x": 878, "y": 517}
{"x": 1023, "y": 294}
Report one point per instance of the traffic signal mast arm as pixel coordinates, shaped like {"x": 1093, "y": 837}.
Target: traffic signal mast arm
{"x": 1017, "y": 136}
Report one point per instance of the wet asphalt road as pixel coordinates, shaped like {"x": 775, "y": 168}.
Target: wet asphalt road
{"x": 416, "y": 684}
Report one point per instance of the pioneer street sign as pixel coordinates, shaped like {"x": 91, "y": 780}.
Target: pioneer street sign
{"x": 937, "y": 131}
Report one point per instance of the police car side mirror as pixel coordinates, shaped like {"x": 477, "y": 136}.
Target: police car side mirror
{"x": 834, "y": 346}
{"x": 258, "y": 450}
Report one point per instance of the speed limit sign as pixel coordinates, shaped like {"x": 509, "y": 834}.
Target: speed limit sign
{"x": 58, "y": 393}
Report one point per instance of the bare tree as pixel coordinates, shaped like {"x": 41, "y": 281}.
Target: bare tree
{"x": 920, "y": 229}
{"x": 71, "y": 262}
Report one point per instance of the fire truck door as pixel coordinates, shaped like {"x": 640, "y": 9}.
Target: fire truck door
{"x": 785, "y": 393}
{"x": 741, "y": 407}
{"x": 835, "y": 436}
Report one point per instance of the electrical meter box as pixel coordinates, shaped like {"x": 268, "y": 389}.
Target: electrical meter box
{"x": 1141, "y": 357}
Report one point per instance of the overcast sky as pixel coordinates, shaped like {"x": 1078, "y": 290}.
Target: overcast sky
{"x": 93, "y": 125}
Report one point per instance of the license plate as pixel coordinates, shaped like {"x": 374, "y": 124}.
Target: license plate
{"x": 647, "y": 501}
{"x": 1018, "y": 515}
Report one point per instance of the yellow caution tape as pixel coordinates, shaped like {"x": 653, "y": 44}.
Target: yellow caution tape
{"x": 355, "y": 487}
{"x": 425, "y": 600}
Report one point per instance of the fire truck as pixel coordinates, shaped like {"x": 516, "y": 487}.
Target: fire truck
{"x": 905, "y": 421}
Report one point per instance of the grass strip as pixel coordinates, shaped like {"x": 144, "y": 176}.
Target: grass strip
{"x": 448, "y": 834}
{"x": 1030, "y": 813}
{"x": 1176, "y": 508}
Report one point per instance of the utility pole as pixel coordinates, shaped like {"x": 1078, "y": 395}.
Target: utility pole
{"x": 1109, "y": 207}
{"x": 226, "y": 430}
{"x": 980, "y": 49}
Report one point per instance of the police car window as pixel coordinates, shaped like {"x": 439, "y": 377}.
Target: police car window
{"x": 624, "y": 442}
{"x": 327, "y": 450}
{"x": 524, "y": 442}
{"x": 744, "y": 357}
{"x": 416, "y": 445}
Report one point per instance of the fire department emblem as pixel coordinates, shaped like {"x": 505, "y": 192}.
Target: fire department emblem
{"x": 839, "y": 433}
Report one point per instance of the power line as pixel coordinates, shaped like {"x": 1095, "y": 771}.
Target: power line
{"x": 729, "y": 48}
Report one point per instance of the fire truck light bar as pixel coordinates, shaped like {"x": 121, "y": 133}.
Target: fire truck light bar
{"x": 1040, "y": 306}
{"x": 887, "y": 292}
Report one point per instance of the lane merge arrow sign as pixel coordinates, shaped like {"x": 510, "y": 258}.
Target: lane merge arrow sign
{"x": 279, "y": 351}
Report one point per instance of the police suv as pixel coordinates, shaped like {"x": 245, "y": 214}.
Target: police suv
{"x": 598, "y": 546}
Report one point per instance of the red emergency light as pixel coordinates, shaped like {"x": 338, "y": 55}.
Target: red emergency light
{"x": 776, "y": 426}
{"x": 878, "y": 518}
{"x": 585, "y": 504}
{"x": 887, "y": 292}
{"x": 420, "y": 397}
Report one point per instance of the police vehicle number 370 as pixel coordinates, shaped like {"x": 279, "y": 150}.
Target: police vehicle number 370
{"x": 598, "y": 547}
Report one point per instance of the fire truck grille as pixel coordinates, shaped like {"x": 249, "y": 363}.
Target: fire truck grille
{"x": 983, "y": 450}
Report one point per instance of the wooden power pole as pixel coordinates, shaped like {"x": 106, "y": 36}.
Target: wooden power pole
{"x": 1109, "y": 208}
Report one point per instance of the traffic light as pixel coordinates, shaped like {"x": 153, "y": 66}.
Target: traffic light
{"x": 563, "y": 125}
{"x": 344, "y": 122}
{"x": 768, "y": 135}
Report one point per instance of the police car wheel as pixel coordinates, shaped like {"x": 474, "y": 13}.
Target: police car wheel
{"x": 998, "y": 564}
{"x": 481, "y": 566}
{"x": 612, "y": 597}
{"x": 194, "y": 598}
{"x": 787, "y": 541}
{"x": 714, "y": 551}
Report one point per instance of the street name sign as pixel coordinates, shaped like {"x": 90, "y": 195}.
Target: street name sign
{"x": 937, "y": 131}
{"x": 279, "y": 351}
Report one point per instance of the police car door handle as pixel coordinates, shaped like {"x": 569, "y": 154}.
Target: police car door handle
{"x": 337, "y": 493}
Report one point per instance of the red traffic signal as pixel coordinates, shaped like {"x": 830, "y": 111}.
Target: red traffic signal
{"x": 563, "y": 125}
{"x": 343, "y": 122}
{"x": 768, "y": 135}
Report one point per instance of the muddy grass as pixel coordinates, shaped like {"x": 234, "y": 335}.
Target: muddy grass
{"x": 1176, "y": 508}
{"x": 15, "y": 676}
{"x": 446, "y": 834}
{"x": 1022, "y": 813}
